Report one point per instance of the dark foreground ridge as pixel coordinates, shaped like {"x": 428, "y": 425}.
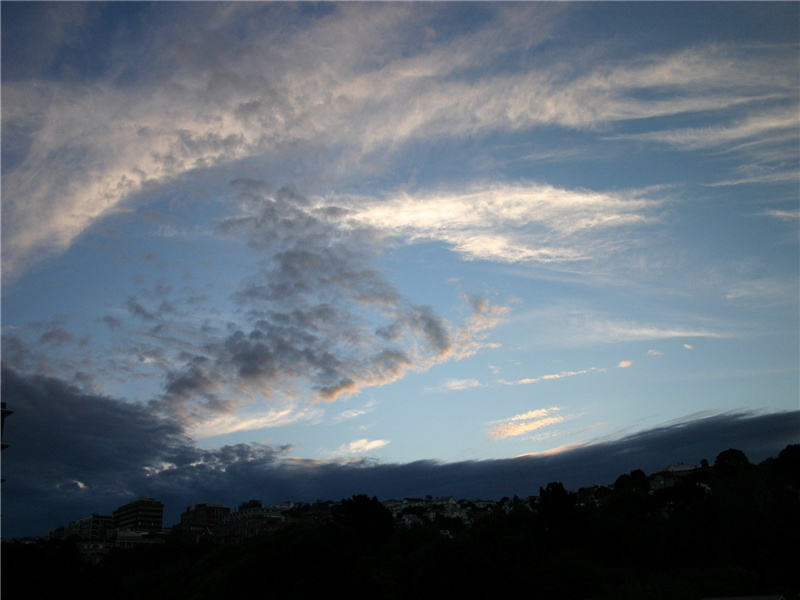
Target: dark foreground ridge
{"x": 725, "y": 530}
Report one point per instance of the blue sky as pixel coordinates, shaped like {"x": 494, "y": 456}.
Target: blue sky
{"x": 377, "y": 234}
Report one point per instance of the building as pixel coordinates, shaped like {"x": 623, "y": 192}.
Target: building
{"x": 144, "y": 514}
{"x": 252, "y": 518}
{"x": 205, "y": 513}
{"x": 92, "y": 527}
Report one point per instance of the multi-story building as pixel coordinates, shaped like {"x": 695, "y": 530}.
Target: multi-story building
{"x": 205, "y": 513}
{"x": 144, "y": 514}
{"x": 92, "y": 527}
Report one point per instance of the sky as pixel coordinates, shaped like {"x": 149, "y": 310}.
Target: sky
{"x": 308, "y": 250}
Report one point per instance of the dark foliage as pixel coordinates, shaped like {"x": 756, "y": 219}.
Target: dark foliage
{"x": 727, "y": 530}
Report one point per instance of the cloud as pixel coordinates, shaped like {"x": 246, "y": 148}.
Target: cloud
{"x": 359, "y": 446}
{"x": 764, "y": 292}
{"x": 784, "y": 215}
{"x": 525, "y": 423}
{"x": 564, "y": 327}
{"x": 315, "y": 320}
{"x": 525, "y": 222}
{"x": 56, "y": 336}
{"x": 551, "y": 376}
{"x": 456, "y": 385}
{"x": 784, "y": 123}
{"x": 463, "y": 384}
{"x": 117, "y": 450}
{"x": 625, "y": 364}
{"x": 180, "y": 99}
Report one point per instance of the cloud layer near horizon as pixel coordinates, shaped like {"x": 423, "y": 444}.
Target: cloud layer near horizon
{"x": 100, "y": 452}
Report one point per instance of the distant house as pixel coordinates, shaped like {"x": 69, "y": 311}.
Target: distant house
{"x": 670, "y": 476}
{"x": 410, "y": 520}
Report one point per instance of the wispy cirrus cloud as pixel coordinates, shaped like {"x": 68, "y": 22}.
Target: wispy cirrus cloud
{"x": 772, "y": 127}
{"x": 763, "y": 292}
{"x": 465, "y": 384}
{"x": 82, "y": 148}
{"x": 784, "y": 215}
{"x": 564, "y": 327}
{"x": 550, "y": 377}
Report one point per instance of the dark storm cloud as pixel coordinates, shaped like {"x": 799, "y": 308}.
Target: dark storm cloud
{"x": 72, "y": 453}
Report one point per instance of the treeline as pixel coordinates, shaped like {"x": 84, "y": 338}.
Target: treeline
{"x": 728, "y": 529}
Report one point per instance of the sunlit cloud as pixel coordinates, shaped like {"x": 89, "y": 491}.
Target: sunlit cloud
{"x": 550, "y": 377}
{"x": 357, "y": 447}
{"x": 247, "y": 421}
{"x": 625, "y": 364}
{"x": 526, "y": 222}
{"x": 525, "y": 423}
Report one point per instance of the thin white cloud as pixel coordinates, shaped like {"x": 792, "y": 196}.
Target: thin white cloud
{"x": 356, "y": 447}
{"x": 549, "y": 377}
{"x": 783, "y": 123}
{"x": 348, "y": 415}
{"x": 764, "y": 292}
{"x": 624, "y": 364}
{"x": 784, "y": 215}
{"x": 789, "y": 176}
{"x": 563, "y": 327}
{"x": 525, "y": 423}
{"x": 456, "y": 385}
